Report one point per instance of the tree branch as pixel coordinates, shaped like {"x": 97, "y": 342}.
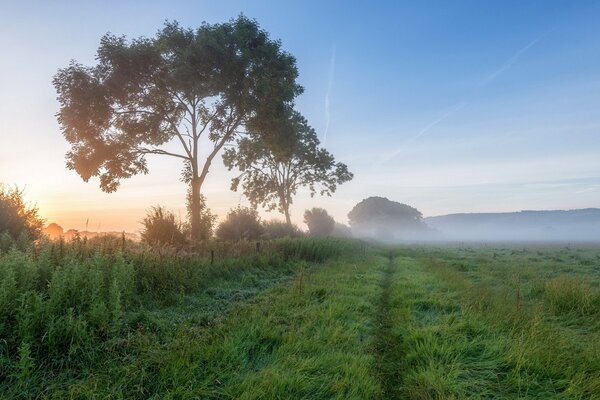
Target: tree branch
{"x": 161, "y": 152}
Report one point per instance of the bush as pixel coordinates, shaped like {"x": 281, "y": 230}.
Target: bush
{"x": 161, "y": 228}
{"x": 341, "y": 231}
{"x": 17, "y": 220}
{"x": 319, "y": 222}
{"x": 278, "y": 229}
{"x": 242, "y": 223}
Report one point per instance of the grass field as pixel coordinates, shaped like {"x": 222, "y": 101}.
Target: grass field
{"x": 403, "y": 322}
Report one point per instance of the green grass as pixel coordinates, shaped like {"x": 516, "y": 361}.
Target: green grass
{"x": 305, "y": 319}
{"x": 498, "y": 323}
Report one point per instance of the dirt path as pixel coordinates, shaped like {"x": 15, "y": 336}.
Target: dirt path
{"x": 388, "y": 347}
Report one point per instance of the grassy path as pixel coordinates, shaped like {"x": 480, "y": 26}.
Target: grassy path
{"x": 388, "y": 347}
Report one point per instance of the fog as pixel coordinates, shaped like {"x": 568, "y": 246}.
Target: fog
{"x": 525, "y": 226}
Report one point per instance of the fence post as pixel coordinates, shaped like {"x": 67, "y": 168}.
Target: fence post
{"x": 258, "y": 247}
{"x": 212, "y": 256}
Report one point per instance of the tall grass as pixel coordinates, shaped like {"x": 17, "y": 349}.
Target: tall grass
{"x": 64, "y": 305}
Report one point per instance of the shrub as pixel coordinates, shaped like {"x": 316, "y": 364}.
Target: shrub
{"x": 242, "y": 223}
{"x": 18, "y": 220}
{"x": 162, "y": 228}
{"x": 319, "y": 222}
{"x": 341, "y": 231}
{"x": 279, "y": 229}
{"x": 58, "y": 315}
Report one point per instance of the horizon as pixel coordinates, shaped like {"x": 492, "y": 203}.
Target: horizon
{"x": 449, "y": 109}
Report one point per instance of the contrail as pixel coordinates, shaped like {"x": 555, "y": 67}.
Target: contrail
{"x": 423, "y": 131}
{"x": 506, "y": 65}
{"x": 511, "y": 61}
{"x": 328, "y": 93}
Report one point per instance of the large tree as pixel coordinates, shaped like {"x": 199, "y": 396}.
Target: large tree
{"x": 195, "y": 90}
{"x": 272, "y": 172}
{"x": 385, "y": 219}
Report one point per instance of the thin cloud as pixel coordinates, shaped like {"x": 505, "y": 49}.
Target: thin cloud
{"x": 423, "y": 131}
{"x": 461, "y": 104}
{"x": 328, "y": 93}
{"x": 512, "y": 60}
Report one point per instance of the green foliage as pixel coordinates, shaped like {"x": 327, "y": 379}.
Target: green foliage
{"x": 241, "y": 223}
{"x": 161, "y": 228}
{"x": 19, "y": 223}
{"x": 316, "y": 249}
{"x": 58, "y": 315}
{"x": 181, "y": 86}
{"x": 69, "y": 307}
{"x": 319, "y": 222}
{"x": 271, "y": 171}
{"x": 278, "y": 229}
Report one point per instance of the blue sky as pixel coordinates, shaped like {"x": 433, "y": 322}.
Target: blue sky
{"x": 447, "y": 106}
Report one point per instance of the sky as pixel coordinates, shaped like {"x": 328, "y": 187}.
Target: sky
{"x": 463, "y": 106}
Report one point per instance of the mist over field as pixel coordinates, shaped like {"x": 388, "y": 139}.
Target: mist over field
{"x": 560, "y": 225}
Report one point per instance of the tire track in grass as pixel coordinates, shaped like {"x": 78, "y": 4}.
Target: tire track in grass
{"x": 388, "y": 347}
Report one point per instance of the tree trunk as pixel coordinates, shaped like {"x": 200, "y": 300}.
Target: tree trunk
{"x": 195, "y": 209}
{"x": 288, "y": 219}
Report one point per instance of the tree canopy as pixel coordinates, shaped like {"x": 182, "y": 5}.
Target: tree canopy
{"x": 272, "y": 172}
{"x": 200, "y": 89}
{"x": 386, "y": 219}
{"x": 319, "y": 222}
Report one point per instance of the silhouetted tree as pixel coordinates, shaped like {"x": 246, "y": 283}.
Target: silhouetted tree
{"x": 161, "y": 227}
{"x": 383, "y": 218}
{"x": 319, "y": 222}
{"x": 53, "y": 230}
{"x": 214, "y": 83}
{"x": 242, "y": 223}
{"x": 18, "y": 220}
{"x": 272, "y": 172}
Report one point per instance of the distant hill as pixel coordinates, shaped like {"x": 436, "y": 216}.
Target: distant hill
{"x": 569, "y": 225}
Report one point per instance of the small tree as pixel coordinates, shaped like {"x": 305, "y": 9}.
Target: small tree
{"x": 161, "y": 228}
{"x": 319, "y": 222}
{"x": 199, "y": 89}
{"x": 18, "y": 220}
{"x": 242, "y": 223}
{"x": 271, "y": 173}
